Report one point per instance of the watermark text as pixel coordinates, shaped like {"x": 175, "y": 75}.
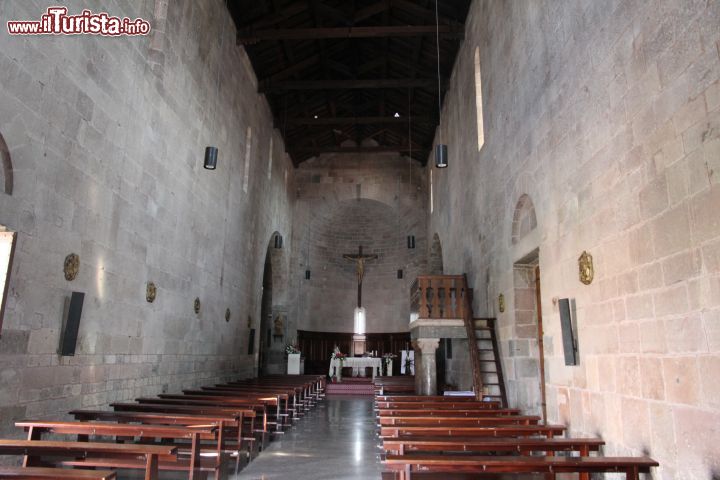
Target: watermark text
{"x": 56, "y": 21}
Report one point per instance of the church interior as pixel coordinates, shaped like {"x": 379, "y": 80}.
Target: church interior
{"x": 314, "y": 239}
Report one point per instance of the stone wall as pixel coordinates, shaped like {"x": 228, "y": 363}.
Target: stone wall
{"x": 107, "y": 137}
{"x": 606, "y": 115}
{"x": 347, "y": 200}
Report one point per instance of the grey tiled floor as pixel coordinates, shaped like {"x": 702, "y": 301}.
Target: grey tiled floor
{"x": 335, "y": 440}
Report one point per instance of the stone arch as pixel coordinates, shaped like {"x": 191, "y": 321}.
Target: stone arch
{"x": 274, "y": 328}
{"x": 435, "y": 259}
{"x": 7, "y": 167}
{"x": 524, "y": 218}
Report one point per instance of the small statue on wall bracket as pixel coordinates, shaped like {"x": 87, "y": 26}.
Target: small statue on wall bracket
{"x": 587, "y": 271}
{"x": 196, "y": 306}
{"x": 227, "y": 314}
{"x": 71, "y": 268}
{"x": 279, "y": 325}
{"x": 501, "y": 303}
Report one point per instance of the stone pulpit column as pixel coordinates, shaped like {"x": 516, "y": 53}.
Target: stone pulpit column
{"x": 425, "y": 367}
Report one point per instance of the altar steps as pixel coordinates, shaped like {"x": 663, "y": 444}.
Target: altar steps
{"x": 351, "y": 386}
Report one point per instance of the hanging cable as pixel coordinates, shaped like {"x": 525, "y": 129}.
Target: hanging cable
{"x": 437, "y": 45}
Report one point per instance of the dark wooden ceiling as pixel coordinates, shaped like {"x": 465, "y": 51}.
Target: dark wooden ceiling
{"x": 338, "y": 73}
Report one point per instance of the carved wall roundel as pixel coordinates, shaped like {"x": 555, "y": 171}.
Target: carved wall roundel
{"x": 71, "y": 267}
{"x": 150, "y": 292}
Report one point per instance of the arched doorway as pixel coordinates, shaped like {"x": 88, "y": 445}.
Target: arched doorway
{"x": 273, "y": 315}
{"x": 528, "y": 356}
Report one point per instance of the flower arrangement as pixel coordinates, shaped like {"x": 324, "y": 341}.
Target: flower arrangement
{"x": 338, "y": 355}
{"x": 387, "y": 357}
{"x": 292, "y": 347}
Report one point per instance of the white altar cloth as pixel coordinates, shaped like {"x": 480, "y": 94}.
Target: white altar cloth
{"x": 356, "y": 363}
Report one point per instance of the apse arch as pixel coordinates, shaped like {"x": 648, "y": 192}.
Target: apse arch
{"x": 435, "y": 258}
{"x": 328, "y": 280}
{"x": 7, "y": 167}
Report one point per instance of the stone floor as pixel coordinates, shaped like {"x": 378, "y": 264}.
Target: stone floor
{"x": 336, "y": 440}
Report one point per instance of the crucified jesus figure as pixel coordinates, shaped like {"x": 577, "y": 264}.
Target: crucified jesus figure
{"x": 359, "y": 260}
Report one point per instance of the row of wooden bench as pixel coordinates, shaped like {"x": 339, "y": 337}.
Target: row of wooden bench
{"x": 206, "y": 431}
{"x": 460, "y": 437}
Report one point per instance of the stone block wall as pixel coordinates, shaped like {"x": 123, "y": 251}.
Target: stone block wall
{"x": 106, "y": 137}
{"x": 605, "y": 114}
{"x": 347, "y": 200}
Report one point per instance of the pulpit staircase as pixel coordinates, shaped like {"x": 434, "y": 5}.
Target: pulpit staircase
{"x": 491, "y": 373}
{"x": 448, "y": 297}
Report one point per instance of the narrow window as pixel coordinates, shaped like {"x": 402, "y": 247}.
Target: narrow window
{"x": 270, "y": 157}
{"x": 7, "y": 249}
{"x": 431, "y": 191}
{"x": 248, "y": 148}
{"x": 479, "y": 101}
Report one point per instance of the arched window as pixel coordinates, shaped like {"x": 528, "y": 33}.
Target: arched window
{"x": 248, "y": 150}
{"x": 524, "y": 219}
{"x": 6, "y": 168}
{"x": 479, "y": 101}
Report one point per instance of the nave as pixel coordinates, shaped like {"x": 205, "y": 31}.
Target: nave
{"x": 337, "y": 439}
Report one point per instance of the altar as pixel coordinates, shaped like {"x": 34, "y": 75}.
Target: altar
{"x": 356, "y": 363}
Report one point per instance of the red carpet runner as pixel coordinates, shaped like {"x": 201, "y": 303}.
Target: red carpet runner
{"x": 351, "y": 386}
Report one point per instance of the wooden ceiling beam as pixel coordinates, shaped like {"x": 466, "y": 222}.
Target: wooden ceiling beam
{"x": 251, "y": 36}
{"x": 339, "y": 149}
{"x": 323, "y": 121}
{"x": 351, "y": 84}
{"x": 270, "y": 19}
{"x": 371, "y": 11}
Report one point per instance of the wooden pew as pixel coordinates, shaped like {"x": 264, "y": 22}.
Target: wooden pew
{"x": 521, "y": 445}
{"x": 394, "y": 385}
{"x": 274, "y": 402}
{"x": 232, "y": 425}
{"x": 405, "y": 466}
{"x": 409, "y": 412}
{"x": 284, "y": 397}
{"x": 33, "y": 450}
{"x": 296, "y": 394}
{"x": 196, "y": 468}
{"x": 436, "y": 405}
{"x": 549, "y": 431}
{"x": 172, "y": 408}
{"x": 263, "y": 431}
{"x": 420, "y": 421}
{"x": 43, "y": 473}
{"x": 432, "y": 398}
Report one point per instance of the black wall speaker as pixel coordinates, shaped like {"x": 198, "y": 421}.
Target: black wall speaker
{"x": 570, "y": 346}
{"x": 71, "y": 323}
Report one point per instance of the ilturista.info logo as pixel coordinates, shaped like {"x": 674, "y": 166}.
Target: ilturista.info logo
{"x": 56, "y": 21}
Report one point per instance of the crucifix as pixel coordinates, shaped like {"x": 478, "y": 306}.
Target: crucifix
{"x": 359, "y": 259}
